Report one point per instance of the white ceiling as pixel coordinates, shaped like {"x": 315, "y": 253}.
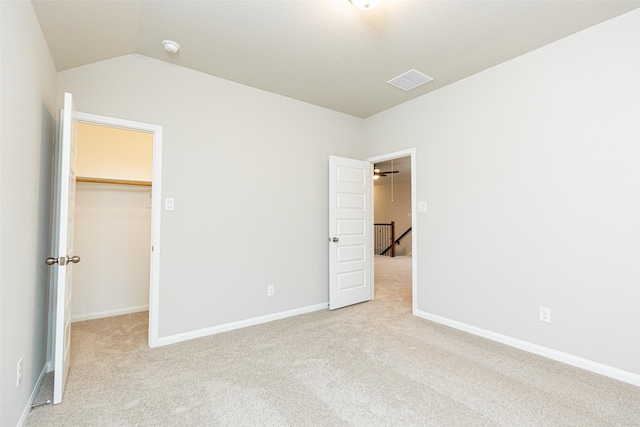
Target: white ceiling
{"x": 324, "y": 52}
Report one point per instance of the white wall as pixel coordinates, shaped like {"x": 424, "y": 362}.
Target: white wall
{"x": 112, "y": 235}
{"x": 248, "y": 170}
{"x": 394, "y": 205}
{"x": 27, "y": 101}
{"x": 531, "y": 171}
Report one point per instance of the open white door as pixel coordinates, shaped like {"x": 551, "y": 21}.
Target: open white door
{"x": 350, "y": 235}
{"x": 62, "y": 244}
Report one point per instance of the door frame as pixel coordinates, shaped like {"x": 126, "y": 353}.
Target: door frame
{"x": 156, "y": 205}
{"x": 411, "y": 152}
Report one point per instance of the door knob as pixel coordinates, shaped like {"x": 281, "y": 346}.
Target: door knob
{"x": 335, "y": 239}
{"x": 62, "y": 260}
{"x": 74, "y": 259}
{"x": 50, "y": 261}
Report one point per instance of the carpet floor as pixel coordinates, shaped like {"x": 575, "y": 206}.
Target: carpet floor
{"x": 371, "y": 364}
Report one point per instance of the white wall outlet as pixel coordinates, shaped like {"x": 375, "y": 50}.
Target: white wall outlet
{"x": 422, "y": 206}
{"x": 271, "y": 290}
{"x": 19, "y": 373}
{"x": 168, "y": 204}
{"x": 545, "y": 314}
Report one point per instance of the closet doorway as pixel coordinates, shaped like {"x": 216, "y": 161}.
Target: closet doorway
{"x": 113, "y": 221}
{"x": 117, "y": 219}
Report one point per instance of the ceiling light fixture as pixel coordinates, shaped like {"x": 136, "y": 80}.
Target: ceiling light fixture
{"x": 365, "y": 4}
{"x": 170, "y": 46}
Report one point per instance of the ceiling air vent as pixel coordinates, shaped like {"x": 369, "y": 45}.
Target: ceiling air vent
{"x": 410, "y": 80}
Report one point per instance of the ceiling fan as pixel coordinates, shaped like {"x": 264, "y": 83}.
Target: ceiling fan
{"x": 377, "y": 173}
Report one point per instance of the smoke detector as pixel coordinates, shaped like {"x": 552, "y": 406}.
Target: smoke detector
{"x": 170, "y": 46}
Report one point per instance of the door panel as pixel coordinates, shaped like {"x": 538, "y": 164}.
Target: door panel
{"x": 62, "y": 238}
{"x": 350, "y": 241}
{"x": 351, "y": 253}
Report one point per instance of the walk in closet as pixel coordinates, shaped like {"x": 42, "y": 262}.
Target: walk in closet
{"x": 113, "y": 221}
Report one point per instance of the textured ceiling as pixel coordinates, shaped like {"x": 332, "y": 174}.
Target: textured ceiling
{"x": 324, "y": 52}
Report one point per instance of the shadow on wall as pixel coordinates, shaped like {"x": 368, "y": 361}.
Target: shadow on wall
{"x": 45, "y": 207}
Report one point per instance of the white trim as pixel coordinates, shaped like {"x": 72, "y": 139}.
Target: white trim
{"x": 414, "y": 218}
{"x": 156, "y": 208}
{"x": 27, "y": 408}
{"x": 156, "y": 200}
{"x": 172, "y": 339}
{"x": 569, "y": 359}
{"x": 109, "y": 313}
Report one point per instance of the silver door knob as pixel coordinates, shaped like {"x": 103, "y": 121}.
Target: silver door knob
{"x": 51, "y": 261}
{"x": 74, "y": 259}
{"x": 335, "y": 239}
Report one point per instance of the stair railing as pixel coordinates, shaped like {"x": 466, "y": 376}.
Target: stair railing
{"x": 384, "y": 235}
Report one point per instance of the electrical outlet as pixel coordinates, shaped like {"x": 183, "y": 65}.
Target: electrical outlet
{"x": 545, "y": 314}
{"x": 271, "y": 290}
{"x": 19, "y": 373}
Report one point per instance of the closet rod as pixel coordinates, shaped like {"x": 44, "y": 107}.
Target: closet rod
{"x": 113, "y": 181}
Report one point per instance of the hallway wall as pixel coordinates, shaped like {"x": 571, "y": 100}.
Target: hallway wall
{"x": 395, "y": 206}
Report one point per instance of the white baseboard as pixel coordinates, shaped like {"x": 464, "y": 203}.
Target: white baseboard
{"x": 172, "y": 339}
{"x": 27, "y": 408}
{"x": 108, "y": 313}
{"x": 569, "y": 359}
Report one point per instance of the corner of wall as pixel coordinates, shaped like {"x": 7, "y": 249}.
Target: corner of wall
{"x": 27, "y": 81}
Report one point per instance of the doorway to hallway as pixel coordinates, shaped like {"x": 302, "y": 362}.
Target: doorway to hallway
{"x": 394, "y": 208}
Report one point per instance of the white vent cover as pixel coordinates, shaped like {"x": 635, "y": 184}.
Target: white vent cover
{"x": 410, "y": 80}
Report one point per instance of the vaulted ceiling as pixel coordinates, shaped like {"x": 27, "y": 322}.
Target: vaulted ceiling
{"x": 324, "y": 52}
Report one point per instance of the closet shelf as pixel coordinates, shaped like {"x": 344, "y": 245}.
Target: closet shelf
{"x": 113, "y": 181}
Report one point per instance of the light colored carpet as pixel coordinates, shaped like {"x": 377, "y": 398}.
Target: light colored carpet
{"x": 372, "y": 364}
